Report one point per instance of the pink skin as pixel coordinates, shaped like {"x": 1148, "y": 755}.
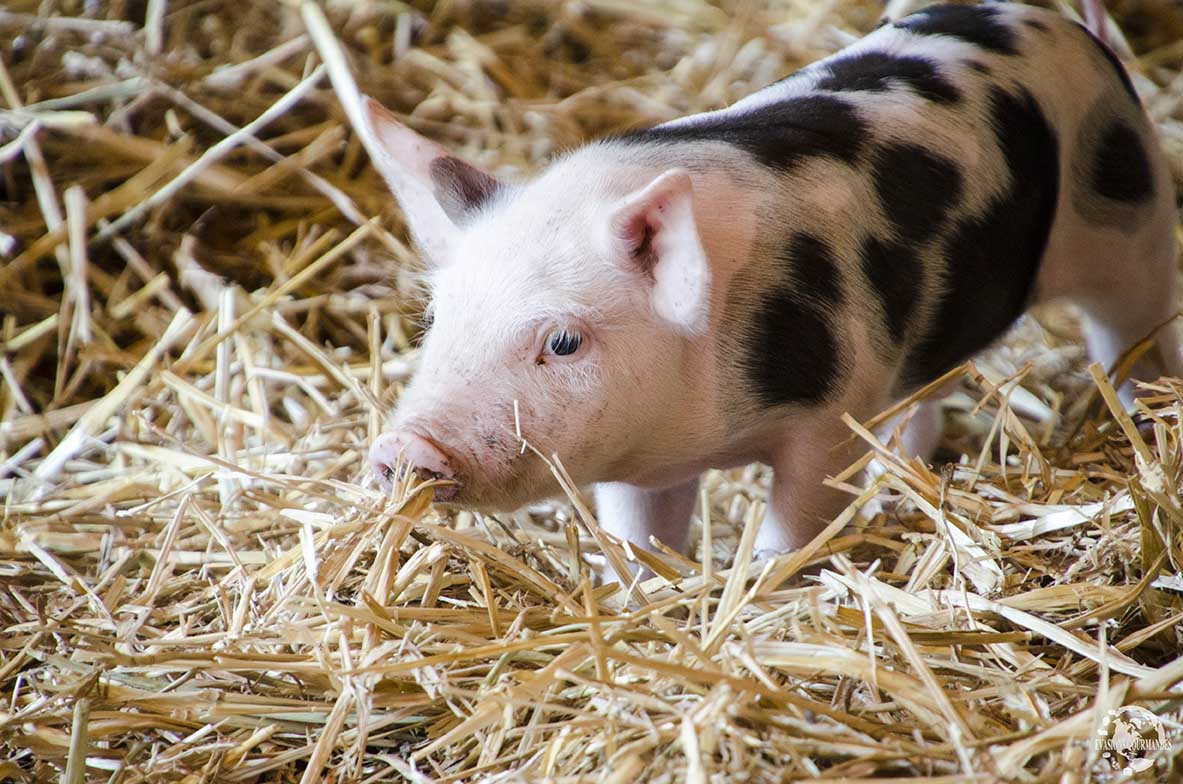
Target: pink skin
{"x": 457, "y": 420}
{"x": 414, "y": 450}
{"x": 621, "y": 272}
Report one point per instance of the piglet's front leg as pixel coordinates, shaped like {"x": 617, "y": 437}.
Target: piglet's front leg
{"x": 800, "y": 504}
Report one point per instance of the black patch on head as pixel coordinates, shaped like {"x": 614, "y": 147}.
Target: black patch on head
{"x": 1035, "y": 24}
{"x": 1120, "y": 168}
{"x": 460, "y": 188}
{"x": 791, "y": 353}
{"x": 980, "y": 67}
{"x": 916, "y": 189}
{"x": 879, "y": 71}
{"x": 897, "y": 277}
{"x": 975, "y": 24}
{"x": 1118, "y": 69}
{"x": 779, "y": 135}
{"x": 992, "y": 258}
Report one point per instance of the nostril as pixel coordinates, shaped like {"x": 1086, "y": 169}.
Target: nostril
{"x": 385, "y": 453}
{"x": 417, "y": 453}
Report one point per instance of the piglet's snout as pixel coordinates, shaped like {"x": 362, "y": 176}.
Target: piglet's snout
{"x": 416, "y": 453}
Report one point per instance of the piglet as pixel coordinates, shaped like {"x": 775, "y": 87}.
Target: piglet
{"x": 721, "y": 288}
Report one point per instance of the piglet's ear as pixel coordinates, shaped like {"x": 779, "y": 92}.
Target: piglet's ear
{"x": 654, "y": 228}
{"x": 435, "y": 189}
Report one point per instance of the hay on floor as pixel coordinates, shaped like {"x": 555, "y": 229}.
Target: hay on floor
{"x": 206, "y": 305}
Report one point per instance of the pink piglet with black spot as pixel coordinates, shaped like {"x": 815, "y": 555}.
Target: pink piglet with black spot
{"x": 720, "y": 289}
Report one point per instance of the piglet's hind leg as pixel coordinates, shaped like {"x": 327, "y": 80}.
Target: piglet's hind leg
{"x": 1115, "y": 324}
{"x": 923, "y": 426}
{"x": 800, "y": 504}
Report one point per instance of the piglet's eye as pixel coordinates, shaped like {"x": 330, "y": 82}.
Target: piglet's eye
{"x": 563, "y": 343}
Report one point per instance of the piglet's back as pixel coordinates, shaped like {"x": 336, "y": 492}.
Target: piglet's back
{"x": 931, "y": 181}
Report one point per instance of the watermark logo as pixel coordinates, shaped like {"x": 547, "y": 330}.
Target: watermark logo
{"x": 1128, "y": 737}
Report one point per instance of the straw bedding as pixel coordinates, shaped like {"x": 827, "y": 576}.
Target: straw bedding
{"x": 207, "y": 304}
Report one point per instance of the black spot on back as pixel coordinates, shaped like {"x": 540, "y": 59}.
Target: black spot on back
{"x": 916, "y": 189}
{"x": 780, "y": 135}
{"x": 813, "y": 270}
{"x": 791, "y": 352}
{"x": 992, "y": 258}
{"x": 879, "y": 71}
{"x": 1035, "y": 24}
{"x": 975, "y": 24}
{"x": 1118, "y": 69}
{"x": 459, "y": 187}
{"x": 978, "y": 66}
{"x": 1121, "y": 168}
{"x": 896, "y": 277}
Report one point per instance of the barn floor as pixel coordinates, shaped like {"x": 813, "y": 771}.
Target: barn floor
{"x": 208, "y": 303}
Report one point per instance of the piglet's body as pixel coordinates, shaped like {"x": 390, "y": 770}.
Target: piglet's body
{"x": 720, "y": 289}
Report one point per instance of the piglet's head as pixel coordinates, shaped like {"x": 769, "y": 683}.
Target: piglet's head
{"x": 562, "y": 312}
